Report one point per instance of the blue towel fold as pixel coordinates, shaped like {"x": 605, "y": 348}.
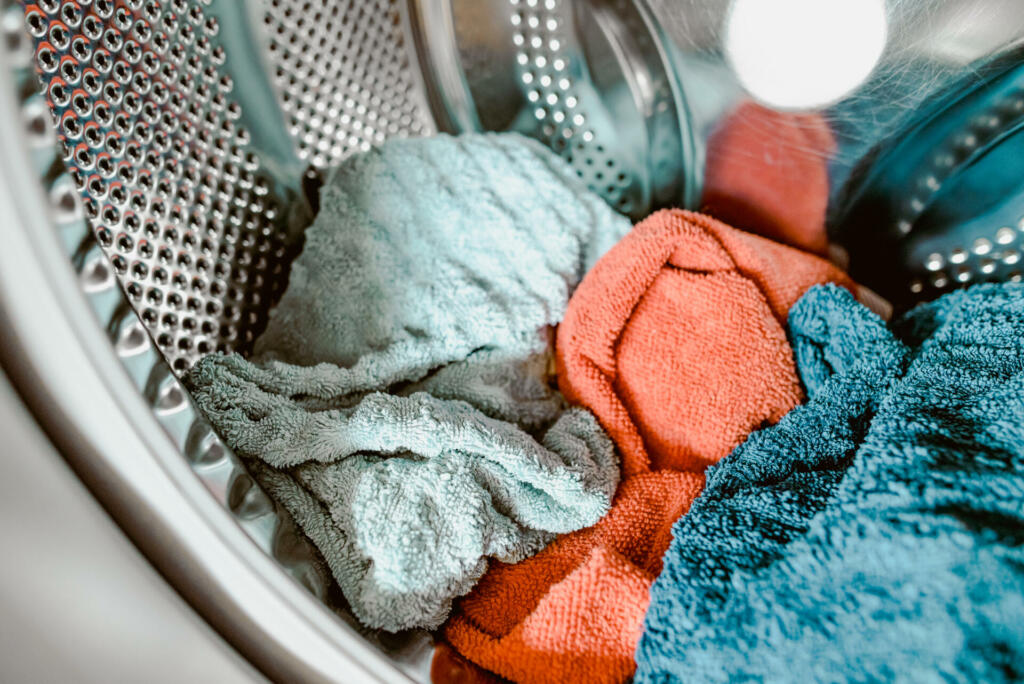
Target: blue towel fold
{"x": 875, "y": 533}
{"x": 399, "y": 403}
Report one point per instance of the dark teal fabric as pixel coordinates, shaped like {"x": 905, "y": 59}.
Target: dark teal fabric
{"x": 876, "y": 533}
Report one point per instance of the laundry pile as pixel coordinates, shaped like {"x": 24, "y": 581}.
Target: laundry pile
{"x": 744, "y": 473}
{"x": 675, "y": 341}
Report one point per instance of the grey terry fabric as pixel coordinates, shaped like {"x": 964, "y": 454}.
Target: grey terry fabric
{"x": 399, "y": 402}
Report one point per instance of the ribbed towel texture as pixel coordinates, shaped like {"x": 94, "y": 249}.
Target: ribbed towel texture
{"x": 398, "y": 404}
{"x": 675, "y": 341}
{"x": 875, "y": 533}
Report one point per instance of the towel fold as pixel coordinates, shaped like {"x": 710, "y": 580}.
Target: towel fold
{"x": 574, "y": 611}
{"x": 399, "y": 404}
{"x": 426, "y": 250}
{"x": 874, "y": 534}
{"x": 675, "y": 341}
{"x": 408, "y": 496}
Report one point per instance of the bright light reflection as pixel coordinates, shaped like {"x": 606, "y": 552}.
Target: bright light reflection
{"x": 800, "y": 54}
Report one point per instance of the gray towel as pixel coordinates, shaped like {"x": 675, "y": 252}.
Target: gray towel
{"x": 427, "y": 438}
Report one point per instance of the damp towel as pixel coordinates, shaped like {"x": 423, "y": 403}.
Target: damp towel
{"x": 875, "y": 533}
{"x": 398, "y": 404}
{"x": 675, "y": 341}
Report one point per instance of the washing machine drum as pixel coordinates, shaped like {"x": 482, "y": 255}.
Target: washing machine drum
{"x": 162, "y": 158}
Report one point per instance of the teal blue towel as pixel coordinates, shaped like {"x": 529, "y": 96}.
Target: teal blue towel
{"x": 399, "y": 404}
{"x": 875, "y": 533}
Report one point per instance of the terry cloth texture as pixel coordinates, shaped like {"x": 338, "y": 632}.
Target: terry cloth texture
{"x": 877, "y": 532}
{"x": 438, "y": 248}
{"x": 399, "y": 404}
{"x": 675, "y": 341}
{"x": 767, "y": 172}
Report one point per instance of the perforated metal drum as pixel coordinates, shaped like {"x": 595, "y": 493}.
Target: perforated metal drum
{"x": 161, "y": 159}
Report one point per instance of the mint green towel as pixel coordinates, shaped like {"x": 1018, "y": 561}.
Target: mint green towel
{"x": 426, "y": 438}
{"x": 437, "y": 248}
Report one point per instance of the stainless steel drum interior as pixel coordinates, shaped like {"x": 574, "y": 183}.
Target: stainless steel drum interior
{"x": 162, "y": 159}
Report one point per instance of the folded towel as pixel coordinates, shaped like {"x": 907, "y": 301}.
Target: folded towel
{"x": 768, "y": 172}
{"x": 875, "y": 533}
{"x": 680, "y": 320}
{"x": 427, "y": 437}
{"x": 675, "y": 340}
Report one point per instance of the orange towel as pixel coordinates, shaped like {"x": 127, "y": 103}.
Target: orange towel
{"x": 767, "y": 172}
{"x": 675, "y": 341}
{"x": 574, "y": 611}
